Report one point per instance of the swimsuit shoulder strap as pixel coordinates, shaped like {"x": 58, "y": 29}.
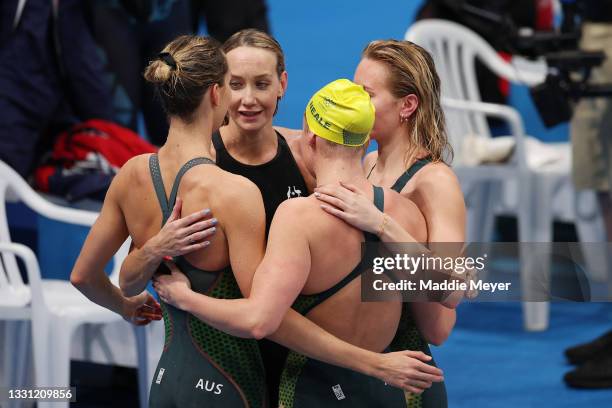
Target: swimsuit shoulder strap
{"x": 165, "y": 203}
{"x": 218, "y": 142}
{"x": 404, "y": 178}
{"x": 158, "y": 183}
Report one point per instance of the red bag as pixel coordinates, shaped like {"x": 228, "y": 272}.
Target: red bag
{"x": 86, "y": 158}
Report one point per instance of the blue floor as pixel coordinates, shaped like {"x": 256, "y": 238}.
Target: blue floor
{"x": 490, "y": 361}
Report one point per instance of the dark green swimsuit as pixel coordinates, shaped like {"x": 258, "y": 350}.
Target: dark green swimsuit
{"x": 408, "y": 336}
{"x": 307, "y": 383}
{"x": 200, "y": 365}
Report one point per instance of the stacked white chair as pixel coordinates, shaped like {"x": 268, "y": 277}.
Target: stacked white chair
{"x": 533, "y": 184}
{"x": 51, "y": 309}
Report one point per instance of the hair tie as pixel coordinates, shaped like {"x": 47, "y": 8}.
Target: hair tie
{"x": 167, "y": 58}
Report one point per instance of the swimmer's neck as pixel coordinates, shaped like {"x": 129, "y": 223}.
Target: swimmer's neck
{"x": 188, "y": 140}
{"x": 334, "y": 171}
{"x": 392, "y": 154}
{"x": 249, "y": 146}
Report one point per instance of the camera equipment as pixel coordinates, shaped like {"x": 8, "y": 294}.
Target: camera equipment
{"x": 569, "y": 68}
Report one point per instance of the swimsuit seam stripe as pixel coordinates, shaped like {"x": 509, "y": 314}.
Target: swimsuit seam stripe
{"x": 170, "y": 330}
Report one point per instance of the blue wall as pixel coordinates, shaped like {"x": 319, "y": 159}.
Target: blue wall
{"x": 323, "y": 40}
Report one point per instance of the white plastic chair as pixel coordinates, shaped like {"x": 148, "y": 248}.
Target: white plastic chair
{"x": 54, "y": 308}
{"x": 534, "y": 183}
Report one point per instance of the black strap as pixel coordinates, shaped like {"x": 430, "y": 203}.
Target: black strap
{"x": 218, "y": 142}
{"x": 379, "y": 198}
{"x": 167, "y": 204}
{"x": 404, "y": 178}
{"x": 370, "y": 172}
{"x": 379, "y": 202}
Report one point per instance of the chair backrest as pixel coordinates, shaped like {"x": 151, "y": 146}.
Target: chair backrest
{"x": 454, "y": 49}
{"x": 12, "y": 184}
{"x": 13, "y": 292}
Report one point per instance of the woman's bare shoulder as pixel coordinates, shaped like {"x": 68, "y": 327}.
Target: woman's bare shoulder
{"x": 435, "y": 176}
{"x": 137, "y": 162}
{"x": 135, "y": 169}
{"x": 222, "y": 184}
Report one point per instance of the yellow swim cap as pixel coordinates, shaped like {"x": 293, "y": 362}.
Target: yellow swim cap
{"x": 341, "y": 112}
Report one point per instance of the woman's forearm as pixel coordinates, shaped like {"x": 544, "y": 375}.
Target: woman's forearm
{"x": 391, "y": 232}
{"x": 238, "y": 317}
{"x": 98, "y": 288}
{"x": 434, "y": 321}
{"x": 138, "y": 268}
{"x": 178, "y": 236}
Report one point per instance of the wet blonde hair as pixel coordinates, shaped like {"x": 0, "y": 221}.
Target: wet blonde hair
{"x": 412, "y": 71}
{"x": 257, "y": 39}
{"x": 187, "y": 67}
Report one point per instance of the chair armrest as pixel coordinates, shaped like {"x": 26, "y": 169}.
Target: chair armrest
{"x": 57, "y": 212}
{"x": 30, "y": 262}
{"x": 32, "y": 199}
{"x": 506, "y": 113}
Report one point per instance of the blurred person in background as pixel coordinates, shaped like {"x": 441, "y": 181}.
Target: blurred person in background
{"x": 224, "y": 18}
{"x": 130, "y": 33}
{"x": 535, "y": 14}
{"x": 50, "y": 77}
{"x": 591, "y": 137}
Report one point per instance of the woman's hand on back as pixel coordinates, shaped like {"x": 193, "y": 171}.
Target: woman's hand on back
{"x": 172, "y": 287}
{"x": 180, "y": 236}
{"x": 351, "y": 205}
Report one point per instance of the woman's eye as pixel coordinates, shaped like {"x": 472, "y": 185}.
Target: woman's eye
{"x": 262, "y": 85}
{"x": 234, "y": 84}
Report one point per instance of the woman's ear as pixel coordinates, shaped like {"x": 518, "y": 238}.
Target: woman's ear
{"x": 409, "y": 105}
{"x": 215, "y": 95}
{"x": 307, "y": 134}
{"x": 311, "y": 139}
{"x": 284, "y": 78}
